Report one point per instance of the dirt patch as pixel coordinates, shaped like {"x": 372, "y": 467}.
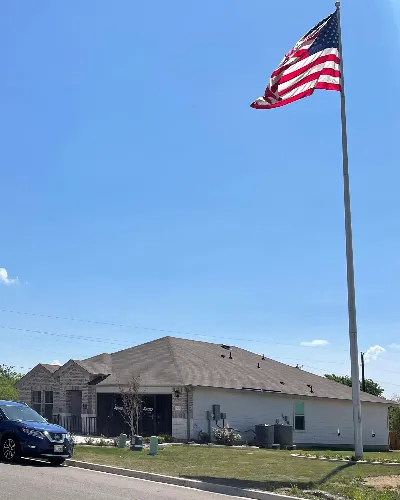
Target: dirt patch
{"x": 383, "y": 482}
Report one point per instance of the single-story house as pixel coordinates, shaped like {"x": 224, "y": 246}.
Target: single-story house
{"x": 181, "y": 381}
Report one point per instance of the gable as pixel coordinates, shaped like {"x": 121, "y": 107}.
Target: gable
{"x": 37, "y": 376}
{"x": 72, "y": 369}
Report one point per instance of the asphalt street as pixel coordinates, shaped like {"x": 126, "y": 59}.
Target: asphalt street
{"x": 29, "y": 480}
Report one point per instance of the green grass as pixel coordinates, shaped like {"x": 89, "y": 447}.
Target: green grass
{"x": 261, "y": 469}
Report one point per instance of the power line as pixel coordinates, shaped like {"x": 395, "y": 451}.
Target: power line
{"x": 89, "y": 338}
{"x": 115, "y": 342}
{"x": 147, "y": 328}
{"x": 66, "y": 335}
{"x": 137, "y": 327}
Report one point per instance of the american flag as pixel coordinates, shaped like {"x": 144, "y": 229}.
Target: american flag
{"x": 313, "y": 63}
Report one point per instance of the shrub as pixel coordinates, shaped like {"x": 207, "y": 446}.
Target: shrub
{"x": 226, "y": 436}
{"x": 102, "y": 441}
{"x": 89, "y": 440}
{"x": 167, "y": 438}
{"x": 203, "y": 438}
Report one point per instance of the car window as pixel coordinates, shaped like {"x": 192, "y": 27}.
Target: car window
{"x": 23, "y": 413}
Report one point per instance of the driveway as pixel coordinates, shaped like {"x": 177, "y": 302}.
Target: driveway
{"x": 31, "y": 480}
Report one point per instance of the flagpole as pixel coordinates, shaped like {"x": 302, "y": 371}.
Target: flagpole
{"x": 351, "y": 294}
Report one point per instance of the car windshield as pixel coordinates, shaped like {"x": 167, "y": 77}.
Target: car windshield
{"x": 23, "y": 413}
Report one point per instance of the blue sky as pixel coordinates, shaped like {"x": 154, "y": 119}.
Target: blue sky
{"x": 139, "y": 188}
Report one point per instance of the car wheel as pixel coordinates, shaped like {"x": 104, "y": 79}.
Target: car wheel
{"x": 56, "y": 461}
{"x": 10, "y": 449}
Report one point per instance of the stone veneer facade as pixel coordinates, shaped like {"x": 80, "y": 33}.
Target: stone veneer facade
{"x": 72, "y": 377}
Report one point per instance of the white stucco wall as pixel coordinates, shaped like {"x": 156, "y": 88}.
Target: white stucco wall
{"x": 323, "y": 417}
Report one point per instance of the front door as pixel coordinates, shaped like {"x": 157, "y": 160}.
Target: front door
{"x": 76, "y": 411}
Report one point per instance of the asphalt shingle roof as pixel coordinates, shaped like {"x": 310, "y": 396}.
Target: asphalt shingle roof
{"x": 51, "y": 368}
{"x": 171, "y": 361}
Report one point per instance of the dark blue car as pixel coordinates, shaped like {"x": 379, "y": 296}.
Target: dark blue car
{"x": 23, "y": 432}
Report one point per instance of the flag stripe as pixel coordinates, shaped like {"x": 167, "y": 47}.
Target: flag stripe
{"x": 325, "y": 82}
{"x": 314, "y": 60}
{"x": 301, "y": 95}
{"x": 319, "y": 67}
{"x": 300, "y": 88}
{"x": 306, "y": 93}
{"x": 309, "y": 78}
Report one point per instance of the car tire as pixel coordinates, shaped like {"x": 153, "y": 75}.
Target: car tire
{"x": 10, "y": 449}
{"x": 57, "y": 461}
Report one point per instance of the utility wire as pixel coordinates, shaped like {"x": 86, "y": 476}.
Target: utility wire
{"x": 176, "y": 332}
{"x": 88, "y": 338}
{"x": 127, "y": 345}
{"x": 137, "y": 327}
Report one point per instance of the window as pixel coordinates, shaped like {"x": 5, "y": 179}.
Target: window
{"x": 299, "y": 418}
{"x": 48, "y": 405}
{"x": 37, "y": 401}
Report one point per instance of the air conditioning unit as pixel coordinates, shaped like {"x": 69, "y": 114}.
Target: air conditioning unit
{"x": 264, "y": 435}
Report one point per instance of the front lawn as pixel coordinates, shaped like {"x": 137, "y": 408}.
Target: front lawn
{"x": 251, "y": 468}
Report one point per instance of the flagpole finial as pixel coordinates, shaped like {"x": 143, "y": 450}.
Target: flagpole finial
{"x": 337, "y": 4}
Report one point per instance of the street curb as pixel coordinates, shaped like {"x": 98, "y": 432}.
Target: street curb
{"x": 178, "y": 481}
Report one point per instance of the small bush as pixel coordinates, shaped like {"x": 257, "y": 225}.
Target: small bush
{"x": 167, "y": 438}
{"x": 89, "y": 440}
{"x": 102, "y": 441}
{"x": 226, "y": 436}
{"x": 204, "y": 438}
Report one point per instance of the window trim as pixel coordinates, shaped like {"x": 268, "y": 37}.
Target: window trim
{"x": 37, "y": 405}
{"x": 48, "y": 405}
{"x": 295, "y": 414}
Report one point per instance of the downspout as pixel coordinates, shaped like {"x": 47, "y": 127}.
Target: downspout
{"x": 187, "y": 413}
